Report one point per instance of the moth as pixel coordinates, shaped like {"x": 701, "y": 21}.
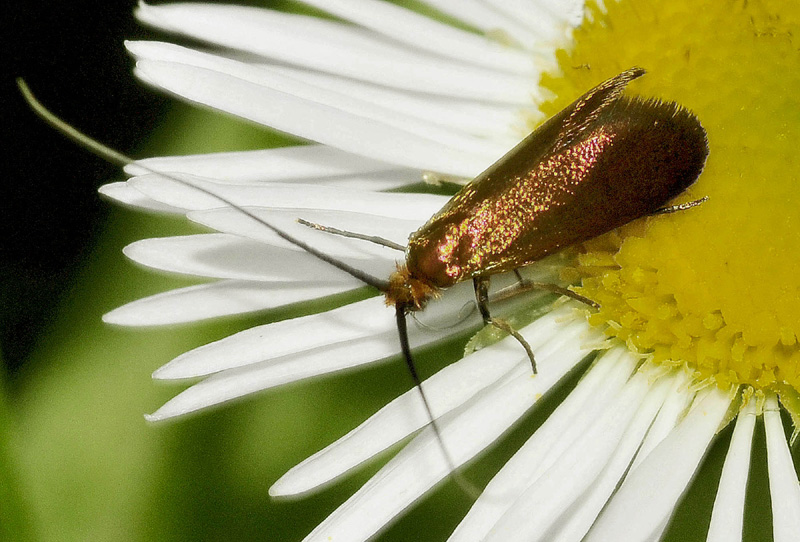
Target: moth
{"x": 602, "y": 162}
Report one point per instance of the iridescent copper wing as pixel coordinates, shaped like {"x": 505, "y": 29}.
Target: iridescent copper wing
{"x": 600, "y": 163}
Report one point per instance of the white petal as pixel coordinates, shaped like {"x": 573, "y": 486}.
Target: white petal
{"x": 382, "y": 180}
{"x": 222, "y": 298}
{"x": 231, "y": 257}
{"x": 292, "y": 196}
{"x": 783, "y": 486}
{"x": 551, "y": 20}
{"x": 364, "y": 319}
{"x": 336, "y": 48}
{"x": 568, "y": 422}
{"x": 540, "y": 21}
{"x": 569, "y": 11}
{"x": 280, "y": 164}
{"x": 728, "y": 515}
{"x": 335, "y": 347}
{"x": 673, "y": 410}
{"x": 127, "y": 195}
{"x": 421, "y": 465}
{"x": 448, "y": 389}
{"x": 306, "y": 347}
{"x": 418, "y": 31}
{"x": 576, "y": 522}
{"x": 354, "y": 321}
{"x": 658, "y": 532}
{"x": 393, "y": 229}
{"x": 483, "y": 17}
{"x": 498, "y": 122}
{"x": 543, "y": 503}
{"x": 310, "y": 120}
{"x": 320, "y": 96}
{"x": 649, "y": 493}
{"x": 236, "y": 383}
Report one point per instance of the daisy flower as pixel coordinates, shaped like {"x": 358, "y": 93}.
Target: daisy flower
{"x": 699, "y": 316}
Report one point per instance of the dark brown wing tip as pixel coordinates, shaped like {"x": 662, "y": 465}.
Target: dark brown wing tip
{"x": 676, "y": 132}
{"x": 681, "y": 117}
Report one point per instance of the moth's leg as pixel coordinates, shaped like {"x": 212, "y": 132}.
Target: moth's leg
{"x": 679, "y": 207}
{"x": 525, "y": 285}
{"x": 566, "y": 292}
{"x": 352, "y": 235}
{"x": 482, "y": 297}
{"x": 466, "y": 311}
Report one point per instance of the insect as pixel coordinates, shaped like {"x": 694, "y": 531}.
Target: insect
{"x": 603, "y": 161}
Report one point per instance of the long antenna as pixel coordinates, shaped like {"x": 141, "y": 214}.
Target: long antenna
{"x": 122, "y": 160}
{"x": 465, "y": 485}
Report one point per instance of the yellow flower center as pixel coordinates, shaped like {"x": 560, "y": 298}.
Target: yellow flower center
{"x": 716, "y": 287}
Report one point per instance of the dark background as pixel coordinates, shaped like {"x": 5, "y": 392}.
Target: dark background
{"x": 71, "y": 55}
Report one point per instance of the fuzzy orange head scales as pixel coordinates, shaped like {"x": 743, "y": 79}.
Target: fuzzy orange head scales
{"x": 409, "y": 291}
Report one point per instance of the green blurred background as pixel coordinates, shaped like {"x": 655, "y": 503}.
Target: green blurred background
{"x": 77, "y": 460}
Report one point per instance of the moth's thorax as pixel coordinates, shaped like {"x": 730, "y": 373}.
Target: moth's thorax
{"x": 407, "y": 290}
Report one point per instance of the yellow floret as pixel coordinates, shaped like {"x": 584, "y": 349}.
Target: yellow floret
{"x": 717, "y": 286}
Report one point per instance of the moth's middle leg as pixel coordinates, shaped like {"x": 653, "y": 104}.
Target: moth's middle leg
{"x": 524, "y": 285}
{"x": 482, "y": 297}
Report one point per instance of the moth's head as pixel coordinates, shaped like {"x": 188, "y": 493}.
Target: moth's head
{"x": 409, "y": 291}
